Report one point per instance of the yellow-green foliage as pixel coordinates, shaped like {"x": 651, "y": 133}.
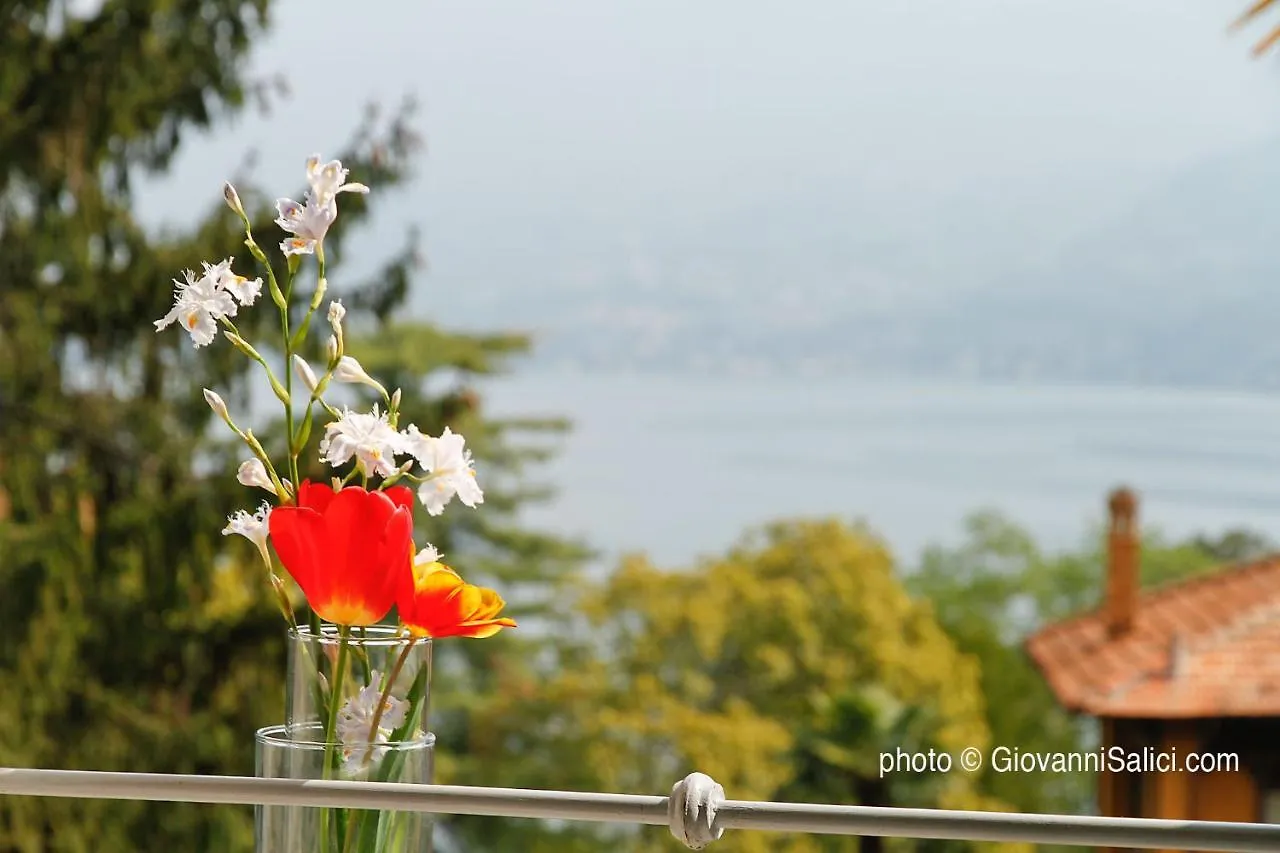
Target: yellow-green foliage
{"x": 782, "y": 669}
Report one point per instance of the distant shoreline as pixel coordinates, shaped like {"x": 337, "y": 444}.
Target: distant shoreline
{"x": 681, "y": 466}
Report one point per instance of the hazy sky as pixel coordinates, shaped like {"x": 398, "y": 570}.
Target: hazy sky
{"x": 628, "y": 113}
{"x": 559, "y": 129}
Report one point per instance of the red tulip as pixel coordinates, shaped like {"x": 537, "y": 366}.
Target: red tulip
{"x": 349, "y": 551}
{"x": 436, "y": 602}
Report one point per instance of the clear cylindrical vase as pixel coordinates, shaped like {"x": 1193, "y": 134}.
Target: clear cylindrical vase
{"x": 360, "y": 665}
{"x": 302, "y": 753}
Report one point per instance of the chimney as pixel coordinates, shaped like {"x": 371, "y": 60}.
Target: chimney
{"x": 1122, "y": 563}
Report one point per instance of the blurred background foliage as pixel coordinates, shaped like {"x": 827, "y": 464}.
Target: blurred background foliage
{"x": 133, "y": 636}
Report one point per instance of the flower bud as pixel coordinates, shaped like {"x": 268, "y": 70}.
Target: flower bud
{"x": 305, "y": 373}
{"x": 254, "y": 445}
{"x": 215, "y": 403}
{"x": 316, "y": 298}
{"x": 334, "y": 350}
{"x": 395, "y": 401}
{"x": 350, "y": 370}
{"x": 398, "y": 474}
{"x": 253, "y": 473}
{"x": 233, "y": 199}
{"x": 282, "y": 600}
{"x": 242, "y": 345}
{"x": 336, "y": 315}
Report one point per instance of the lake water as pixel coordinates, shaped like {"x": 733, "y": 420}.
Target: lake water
{"x": 681, "y": 466}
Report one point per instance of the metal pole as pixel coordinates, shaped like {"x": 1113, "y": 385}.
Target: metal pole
{"x": 652, "y": 810}
{"x": 1083, "y": 831}
{"x": 389, "y": 796}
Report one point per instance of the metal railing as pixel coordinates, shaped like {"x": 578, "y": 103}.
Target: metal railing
{"x": 696, "y": 811}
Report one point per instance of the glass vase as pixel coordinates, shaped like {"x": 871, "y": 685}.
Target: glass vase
{"x": 302, "y": 753}
{"x": 360, "y": 662}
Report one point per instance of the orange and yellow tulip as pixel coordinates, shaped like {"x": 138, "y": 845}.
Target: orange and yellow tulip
{"x": 436, "y": 602}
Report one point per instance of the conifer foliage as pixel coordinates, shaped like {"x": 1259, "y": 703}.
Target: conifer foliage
{"x": 134, "y": 636}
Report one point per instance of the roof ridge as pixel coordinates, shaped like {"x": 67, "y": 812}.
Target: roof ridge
{"x": 1203, "y": 646}
{"x": 1231, "y": 573}
{"x": 1215, "y": 574}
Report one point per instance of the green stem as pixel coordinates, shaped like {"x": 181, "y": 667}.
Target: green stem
{"x": 393, "y": 479}
{"x": 331, "y": 723}
{"x": 288, "y": 378}
{"x": 335, "y": 693}
{"x": 308, "y": 416}
{"x": 386, "y": 694}
{"x": 282, "y": 302}
{"x": 390, "y": 768}
{"x": 296, "y": 438}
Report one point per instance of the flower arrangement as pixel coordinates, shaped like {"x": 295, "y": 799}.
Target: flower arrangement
{"x": 347, "y": 544}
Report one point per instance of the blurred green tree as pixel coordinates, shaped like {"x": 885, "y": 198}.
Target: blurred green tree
{"x": 997, "y": 587}
{"x": 134, "y": 635}
{"x": 783, "y": 669}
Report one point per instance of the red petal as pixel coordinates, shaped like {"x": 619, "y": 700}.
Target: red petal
{"x": 316, "y": 496}
{"x": 299, "y": 537}
{"x": 356, "y": 523}
{"x": 422, "y": 598}
{"x": 396, "y": 555}
{"x": 404, "y": 588}
{"x": 400, "y": 496}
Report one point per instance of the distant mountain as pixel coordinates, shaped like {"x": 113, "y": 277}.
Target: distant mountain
{"x": 1093, "y": 277}
{"x": 1184, "y": 288}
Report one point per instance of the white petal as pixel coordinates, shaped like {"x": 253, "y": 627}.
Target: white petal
{"x": 167, "y": 319}
{"x": 336, "y": 315}
{"x": 289, "y": 213}
{"x": 251, "y": 527}
{"x": 245, "y": 291}
{"x": 305, "y": 373}
{"x": 201, "y": 326}
{"x": 426, "y": 555}
{"x": 419, "y": 446}
{"x": 468, "y": 490}
{"x": 298, "y": 246}
{"x": 338, "y": 450}
{"x": 434, "y": 494}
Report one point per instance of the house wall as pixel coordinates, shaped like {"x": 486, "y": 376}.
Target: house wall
{"x": 1222, "y": 795}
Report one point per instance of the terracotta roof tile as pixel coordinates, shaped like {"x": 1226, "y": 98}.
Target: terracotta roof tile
{"x": 1206, "y": 647}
